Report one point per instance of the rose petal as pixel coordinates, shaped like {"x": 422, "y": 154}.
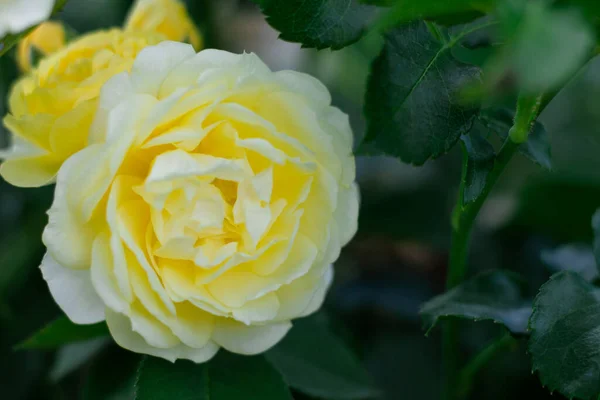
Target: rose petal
{"x": 242, "y": 339}
{"x": 121, "y": 331}
{"x": 73, "y": 292}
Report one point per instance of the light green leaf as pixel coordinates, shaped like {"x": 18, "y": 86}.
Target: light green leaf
{"x": 317, "y": 23}
{"x": 576, "y": 258}
{"x": 412, "y": 104}
{"x": 564, "y": 339}
{"x": 480, "y": 157}
{"x": 61, "y": 332}
{"x": 498, "y": 296}
{"x": 313, "y": 361}
{"x": 226, "y": 377}
{"x": 544, "y": 49}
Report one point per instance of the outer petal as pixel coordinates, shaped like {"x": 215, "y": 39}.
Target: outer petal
{"x": 310, "y": 87}
{"x": 103, "y": 276}
{"x": 67, "y": 238}
{"x": 73, "y": 292}
{"x": 304, "y": 296}
{"x": 114, "y": 91}
{"x": 242, "y": 339}
{"x": 191, "y": 69}
{"x": 346, "y": 213}
{"x": 154, "y": 63}
{"x": 30, "y": 172}
{"x": 120, "y": 329}
{"x": 16, "y": 16}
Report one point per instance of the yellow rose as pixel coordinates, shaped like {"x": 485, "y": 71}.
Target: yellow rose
{"x": 168, "y": 17}
{"x": 51, "y": 108}
{"x": 46, "y": 39}
{"x": 18, "y": 15}
{"x": 208, "y": 208}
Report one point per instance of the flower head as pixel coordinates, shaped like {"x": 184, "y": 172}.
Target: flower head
{"x": 208, "y": 207}
{"x": 47, "y": 38}
{"x": 51, "y": 108}
{"x": 168, "y": 17}
{"x": 18, "y": 15}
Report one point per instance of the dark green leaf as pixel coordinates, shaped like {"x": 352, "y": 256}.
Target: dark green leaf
{"x": 112, "y": 375}
{"x": 596, "y": 228}
{"x": 315, "y": 362}
{"x": 225, "y": 377}
{"x": 564, "y": 338}
{"x": 317, "y": 23}
{"x": 412, "y": 105}
{"x": 62, "y": 331}
{"x": 498, "y": 296}
{"x": 577, "y": 258}
{"x": 589, "y": 8}
{"x": 537, "y": 146}
{"x": 479, "y": 162}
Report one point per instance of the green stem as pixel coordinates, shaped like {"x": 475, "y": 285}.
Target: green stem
{"x": 463, "y": 219}
{"x": 467, "y": 374}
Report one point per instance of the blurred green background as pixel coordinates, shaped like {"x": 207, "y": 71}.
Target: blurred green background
{"x": 396, "y": 262}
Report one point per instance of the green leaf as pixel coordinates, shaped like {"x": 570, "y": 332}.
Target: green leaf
{"x": 72, "y": 356}
{"x": 577, "y": 258}
{"x": 498, "y": 296}
{"x": 544, "y": 50}
{"x": 596, "y": 229}
{"x": 564, "y": 339}
{"x": 225, "y": 377}
{"x": 62, "y": 331}
{"x": 317, "y": 23}
{"x": 112, "y": 375}
{"x": 537, "y": 146}
{"x": 412, "y": 103}
{"x": 480, "y": 157}
{"x": 313, "y": 361}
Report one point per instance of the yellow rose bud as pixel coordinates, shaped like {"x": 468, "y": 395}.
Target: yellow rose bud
{"x": 18, "y": 15}
{"x": 46, "y": 39}
{"x": 51, "y": 108}
{"x": 208, "y": 208}
{"x": 167, "y": 17}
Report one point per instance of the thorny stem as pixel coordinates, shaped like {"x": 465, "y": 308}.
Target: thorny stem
{"x": 528, "y": 109}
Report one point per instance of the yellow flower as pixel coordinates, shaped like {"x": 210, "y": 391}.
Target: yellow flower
{"x": 51, "y": 108}
{"x": 46, "y": 39}
{"x": 208, "y": 208}
{"x": 18, "y": 15}
{"x": 168, "y": 17}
